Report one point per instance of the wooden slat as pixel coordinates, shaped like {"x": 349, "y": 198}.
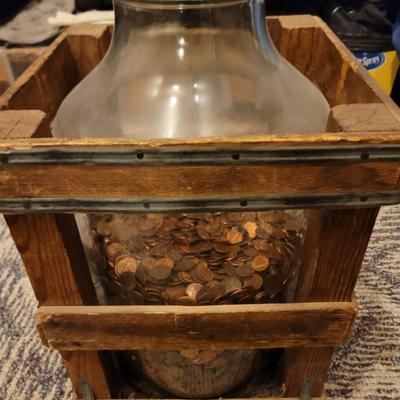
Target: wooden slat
{"x": 46, "y": 82}
{"x": 356, "y": 84}
{"x": 195, "y": 182}
{"x": 89, "y": 366}
{"x": 206, "y": 327}
{"x": 356, "y": 137}
{"x": 17, "y": 124}
{"x": 360, "y": 117}
{"x": 332, "y": 264}
{"x": 313, "y": 48}
{"x": 53, "y": 255}
{"x": 88, "y": 45}
{"x": 335, "y": 244}
{"x": 39, "y": 239}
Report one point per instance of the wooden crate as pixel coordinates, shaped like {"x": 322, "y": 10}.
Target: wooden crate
{"x": 341, "y": 177}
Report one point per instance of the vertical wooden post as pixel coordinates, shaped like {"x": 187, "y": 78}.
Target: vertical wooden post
{"x": 334, "y": 249}
{"x": 54, "y": 258}
{"x": 335, "y": 246}
{"x": 49, "y": 244}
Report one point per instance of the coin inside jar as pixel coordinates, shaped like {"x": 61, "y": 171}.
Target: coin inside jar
{"x": 128, "y": 280}
{"x": 245, "y": 271}
{"x": 125, "y": 264}
{"x": 234, "y": 236}
{"x": 197, "y": 258}
{"x": 256, "y": 281}
{"x": 260, "y": 263}
{"x": 162, "y": 268}
{"x": 185, "y": 265}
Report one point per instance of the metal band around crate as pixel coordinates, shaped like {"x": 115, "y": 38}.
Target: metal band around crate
{"x": 210, "y": 156}
{"x": 39, "y": 205}
{"x": 197, "y": 156}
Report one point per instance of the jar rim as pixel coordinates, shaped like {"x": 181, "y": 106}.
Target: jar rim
{"x": 180, "y": 4}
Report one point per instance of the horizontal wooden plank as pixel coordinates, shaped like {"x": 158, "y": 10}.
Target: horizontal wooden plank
{"x": 197, "y": 181}
{"x": 204, "y": 327}
{"x": 391, "y": 137}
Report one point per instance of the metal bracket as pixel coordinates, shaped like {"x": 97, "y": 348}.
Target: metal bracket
{"x": 306, "y": 390}
{"x": 86, "y": 391}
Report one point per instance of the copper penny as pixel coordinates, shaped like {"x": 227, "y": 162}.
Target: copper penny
{"x": 234, "y": 236}
{"x": 245, "y": 270}
{"x": 260, "y": 263}
{"x": 251, "y": 228}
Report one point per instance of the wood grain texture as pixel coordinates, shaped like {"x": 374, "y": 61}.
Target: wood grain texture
{"x": 310, "y": 45}
{"x": 205, "y": 327}
{"x": 88, "y": 45}
{"x": 336, "y": 242}
{"x": 315, "y": 50}
{"x": 301, "y": 364}
{"x": 350, "y": 117}
{"x": 88, "y": 366}
{"x": 334, "y": 249}
{"x": 19, "y": 124}
{"x": 46, "y": 82}
{"x": 355, "y": 85}
{"x": 198, "y": 181}
{"x": 54, "y": 261}
{"x": 45, "y": 256}
{"x": 333, "y": 259}
{"x": 357, "y": 137}
{"x": 53, "y": 256}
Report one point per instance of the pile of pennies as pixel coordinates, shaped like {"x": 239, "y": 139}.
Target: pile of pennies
{"x": 193, "y": 259}
{"x": 197, "y": 258}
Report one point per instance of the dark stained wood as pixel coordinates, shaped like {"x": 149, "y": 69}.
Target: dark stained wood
{"x": 88, "y": 366}
{"x": 40, "y": 243}
{"x": 301, "y": 364}
{"x": 335, "y": 245}
{"x": 334, "y": 249}
{"x": 332, "y": 267}
{"x": 88, "y": 45}
{"x": 207, "y": 327}
{"x": 186, "y": 181}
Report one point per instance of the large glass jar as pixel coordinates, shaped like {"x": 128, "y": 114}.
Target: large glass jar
{"x": 192, "y": 68}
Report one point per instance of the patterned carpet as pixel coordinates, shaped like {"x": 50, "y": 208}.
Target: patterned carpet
{"x": 367, "y": 368}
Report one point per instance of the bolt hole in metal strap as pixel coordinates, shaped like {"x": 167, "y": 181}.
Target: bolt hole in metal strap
{"x": 198, "y": 156}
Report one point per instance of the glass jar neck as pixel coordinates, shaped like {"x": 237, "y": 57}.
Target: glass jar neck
{"x": 210, "y": 18}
